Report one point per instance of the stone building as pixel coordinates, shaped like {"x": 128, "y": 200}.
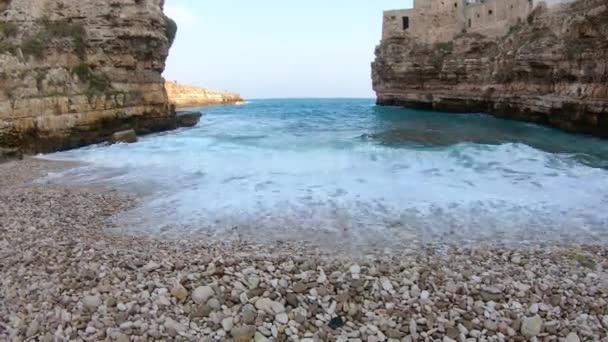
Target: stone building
{"x": 433, "y": 21}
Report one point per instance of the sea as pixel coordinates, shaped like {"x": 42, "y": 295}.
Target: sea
{"x": 345, "y": 172}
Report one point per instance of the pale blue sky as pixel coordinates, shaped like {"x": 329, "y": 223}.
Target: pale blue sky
{"x": 277, "y": 48}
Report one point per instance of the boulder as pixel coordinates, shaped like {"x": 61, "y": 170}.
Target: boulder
{"x": 127, "y": 136}
{"x": 188, "y": 119}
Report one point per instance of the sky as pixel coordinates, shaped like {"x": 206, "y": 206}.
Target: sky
{"x": 277, "y": 48}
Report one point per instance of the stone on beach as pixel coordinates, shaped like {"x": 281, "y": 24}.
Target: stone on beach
{"x": 201, "y": 294}
{"x": 91, "y": 302}
{"x": 572, "y": 337}
{"x": 243, "y": 334}
{"x": 128, "y": 136}
{"x": 107, "y": 286}
{"x": 179, "y": 292}
{"x": 531, "y": 326}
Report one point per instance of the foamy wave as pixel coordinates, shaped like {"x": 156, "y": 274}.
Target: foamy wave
{"x": 280, "y": 175}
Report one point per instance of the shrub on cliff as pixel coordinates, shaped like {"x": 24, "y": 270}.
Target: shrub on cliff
{"x": 444, "y": 46}
{"x": 97, "y": 83}
{"x": 55, "y": 29}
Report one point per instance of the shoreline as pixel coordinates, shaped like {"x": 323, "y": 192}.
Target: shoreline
{"x": 65, "y": 276}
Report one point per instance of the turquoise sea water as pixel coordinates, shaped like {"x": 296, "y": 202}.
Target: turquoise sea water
{"x": 345, "y": 169}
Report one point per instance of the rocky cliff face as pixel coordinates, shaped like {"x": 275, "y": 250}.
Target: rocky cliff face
{"x": 188, "y": 96}
{"x": 74, "y": 71}
{"x": 550, "y": 69}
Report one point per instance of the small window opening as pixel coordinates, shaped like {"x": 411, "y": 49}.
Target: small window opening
{"x": 406, "y": 23}
{"x": 490, "y": 12}
{"x": 470, "y": 22}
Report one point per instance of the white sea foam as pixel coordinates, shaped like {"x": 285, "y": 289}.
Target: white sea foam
{"x": 253, "y": 176}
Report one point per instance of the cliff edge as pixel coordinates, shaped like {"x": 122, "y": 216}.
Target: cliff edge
{"x": 551, "y": 68}
{"x": 183, "y": 96}
{"x": 72, "y": 72}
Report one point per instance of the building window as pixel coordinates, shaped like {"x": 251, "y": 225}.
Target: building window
{"x": 490, "y": 12}
{"x": 406, "y": 23}
{"x": 470, "y": 22}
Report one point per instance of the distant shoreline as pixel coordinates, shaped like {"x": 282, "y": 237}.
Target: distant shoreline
{"x": 186, "y": 96}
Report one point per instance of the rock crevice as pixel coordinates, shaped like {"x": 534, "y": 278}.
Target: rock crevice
{"x": 550, "y": 69}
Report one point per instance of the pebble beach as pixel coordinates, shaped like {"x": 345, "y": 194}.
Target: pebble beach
{"x": 66, "y": 275}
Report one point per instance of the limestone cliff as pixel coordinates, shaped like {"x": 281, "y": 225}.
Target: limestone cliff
{"x": 551, "y": 68}
{"x": 189, "y": 96}
{"x": 74, "y": 71}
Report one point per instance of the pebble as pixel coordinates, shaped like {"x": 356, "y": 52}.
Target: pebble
{"x": 259, "y": 337}
{"x": 201, "y": 294}
{"x": 531, "y": 326}
{"x": 572, "y": 337}
{"x": 91, "y": 302}
{"x": 243, "y": 334}
{"x": 173, "y": 328}
{"x": 151, "y": 266}
{"x": 32, "y": 329}
{"x": 227, "y": 323}
{"x": 533, "y": 309}
{"x": 249, "y": 314}
{"x": 277, "y": 307}
{"x": 179, "y": 292}
{"x": 214, "y": 304}
{"x": 282, "y": 318}
{"x": 63, "y": 278}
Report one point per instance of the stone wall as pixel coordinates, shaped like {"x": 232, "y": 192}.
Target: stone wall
{"x": 551, "y": 69}
{"x": 494, "y": 18}
{"x": 183, "y": 96}
{"x": 74, "y": 71}
{"x": 439, "y": 21}
{"x": 430, "y": 21}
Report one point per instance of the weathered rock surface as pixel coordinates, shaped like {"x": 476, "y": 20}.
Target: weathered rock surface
{"x": 183, "y": 96}
{"x": 72, "y": 72}
{"x": 551, "y": 69}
